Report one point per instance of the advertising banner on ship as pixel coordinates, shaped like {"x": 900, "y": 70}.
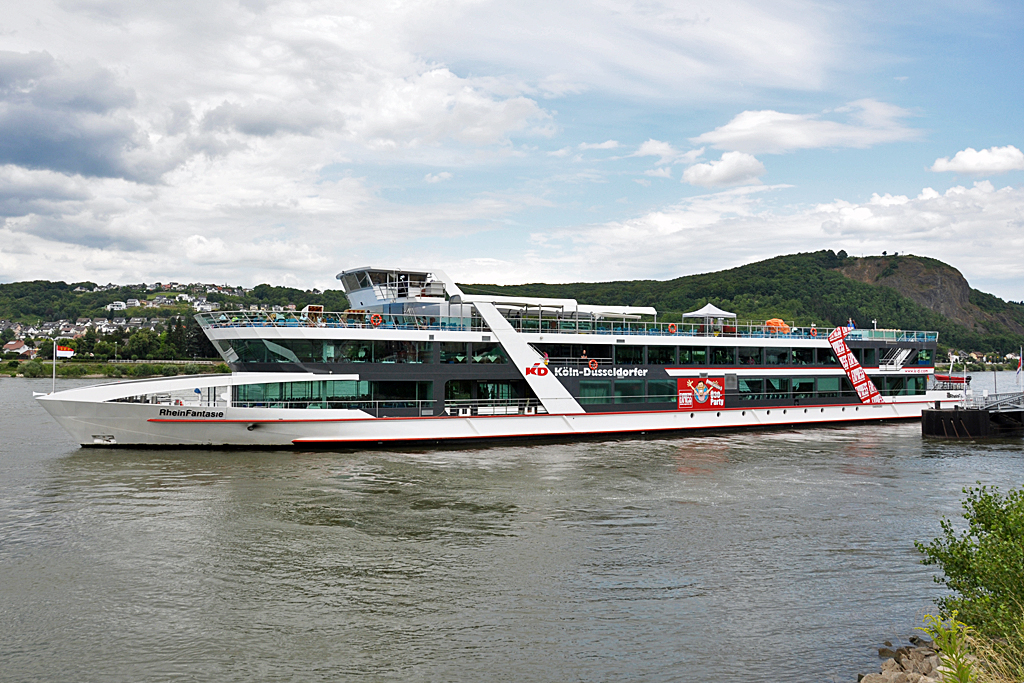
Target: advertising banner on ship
{"x": 701, "y": 393}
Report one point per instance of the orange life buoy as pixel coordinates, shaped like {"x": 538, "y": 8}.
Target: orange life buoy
{"x": 814, "y": 331}
{"x": 593, "y": 364}
{"x": 376, "y": 319}
{"x": 672, "y": 328}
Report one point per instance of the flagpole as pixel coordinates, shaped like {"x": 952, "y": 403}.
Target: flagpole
{"x": 53, "y": 390}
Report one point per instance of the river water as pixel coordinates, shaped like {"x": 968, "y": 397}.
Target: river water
{"x": 776, "y": 556}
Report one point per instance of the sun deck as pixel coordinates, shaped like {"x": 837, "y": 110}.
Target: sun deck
{"x": 541, "y": 325}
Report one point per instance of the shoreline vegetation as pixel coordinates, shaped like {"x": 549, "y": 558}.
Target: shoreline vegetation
{"x": 137, "y": 369}
{"x": 978, "y": 635}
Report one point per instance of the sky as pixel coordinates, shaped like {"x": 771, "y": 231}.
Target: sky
{"x": 249, "y": 141}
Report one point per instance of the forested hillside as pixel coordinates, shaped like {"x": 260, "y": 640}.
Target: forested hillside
{"x": 42, "y": 300}
{"x": 815, "y": 288}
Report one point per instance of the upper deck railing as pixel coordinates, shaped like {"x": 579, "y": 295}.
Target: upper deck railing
{"x": 346, "y": 320}
{"x": 384, "y": 321}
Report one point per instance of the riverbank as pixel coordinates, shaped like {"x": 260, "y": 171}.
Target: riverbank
{"x": 115, "y": 370}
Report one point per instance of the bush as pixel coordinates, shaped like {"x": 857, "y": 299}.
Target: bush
{"x": 983, "y": 566}
{"x": 221, "y": 368}
{"x": 13, "y": 364}
{"x": 142, "y": 370}
{"x": 190, "y": 369}
{"x": 34, "y": 368}
{"x": 112, "y": 371}
{"x": 72, "y": 370}
{"x": 169, "y": 370}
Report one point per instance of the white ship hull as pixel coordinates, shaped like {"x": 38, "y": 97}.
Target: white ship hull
{"x": 125, "y": 424}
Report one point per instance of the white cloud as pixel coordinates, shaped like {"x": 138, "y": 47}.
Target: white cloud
{"x": 665, "y": 50}
{"x": 978, "y": 230}
{"x": 437, "y": 178}
{"x": 667, "y": 153}
{"x": 734, "y": 168}
{"x": 661, "y": 172}
{"x": 607, "y": 144}
{"x": 984, "y": 162}
{"x": 772, "y": 132}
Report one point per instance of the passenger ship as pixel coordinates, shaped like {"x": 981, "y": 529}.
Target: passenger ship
{"x": 418, "y": 361}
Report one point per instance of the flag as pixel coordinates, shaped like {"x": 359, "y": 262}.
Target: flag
{"x": 65, "y": 352}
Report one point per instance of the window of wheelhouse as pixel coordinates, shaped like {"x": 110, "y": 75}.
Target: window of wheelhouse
{"x": 925, "y": 357}
{"x": 693, "y": 355}
{"x": 870, "y": 359}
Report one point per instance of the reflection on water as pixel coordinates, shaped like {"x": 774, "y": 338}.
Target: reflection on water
{"x": 779, "y": 556}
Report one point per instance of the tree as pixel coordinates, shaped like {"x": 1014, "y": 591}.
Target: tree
{"x": 7, "y": 335}
{"x": 983, "y": 565}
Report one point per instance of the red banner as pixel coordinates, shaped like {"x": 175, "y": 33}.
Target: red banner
{"x": 701, "y": 393}
{"x": 865, "y": 388}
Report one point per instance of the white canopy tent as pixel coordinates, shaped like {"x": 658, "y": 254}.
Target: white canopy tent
{"x": 709, "y": 312}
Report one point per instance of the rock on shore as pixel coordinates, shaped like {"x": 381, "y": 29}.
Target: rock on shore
{"x": 918, "y": 664}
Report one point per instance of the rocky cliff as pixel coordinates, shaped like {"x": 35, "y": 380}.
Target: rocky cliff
{"x": 932, "y": 284}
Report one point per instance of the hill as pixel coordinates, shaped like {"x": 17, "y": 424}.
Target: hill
{"x": 28, "y": 302}
{"x": 908, "y": 292}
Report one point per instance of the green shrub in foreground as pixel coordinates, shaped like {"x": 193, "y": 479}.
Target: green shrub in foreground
{"x": 983, "y": 566}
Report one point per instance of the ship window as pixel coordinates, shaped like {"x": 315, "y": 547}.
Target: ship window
{"x": 489, "y": 353}
{"x": 350, "y": 283}
{"x": 803, "y": 356}
{"x": 629, "y": 391}
{"x": 750, "y": 355}
{"x": 661, "y": 355}
{"x": 693, "y": 355}
{"x": 803, "y": 387}
{"x": 364, "y": 280}
{"x": 390, "y": 351}
{"x": 348, "y": 390}
{"x": 894, "y": 386}
{"x": 629, "y": 355}
{"x": 750, "y": 389}
{"x": 924, "y": 357}
{"x": 856, "y": 353}
{"x": 723, "y": 355}
{"x": 454, "y": 352}
{"x": 776, "y": 388}
{"x": 827, "y": 357}
{"x": 458, "y": 390}
{"x": 869, "y": 358}
{"x": 592, "y": 392}
{"x": 354, "y": 351}
{"x": 846, "y": 387}
{"x": 776, "y": 356}
{"x": 828, "y": 387}
{"x": 661, "y": 390}
{"x": 916, "y": 386}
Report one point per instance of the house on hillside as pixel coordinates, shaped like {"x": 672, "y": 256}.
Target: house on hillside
{"x": 117, "y": 306}
{"x": 24, "y": 351}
